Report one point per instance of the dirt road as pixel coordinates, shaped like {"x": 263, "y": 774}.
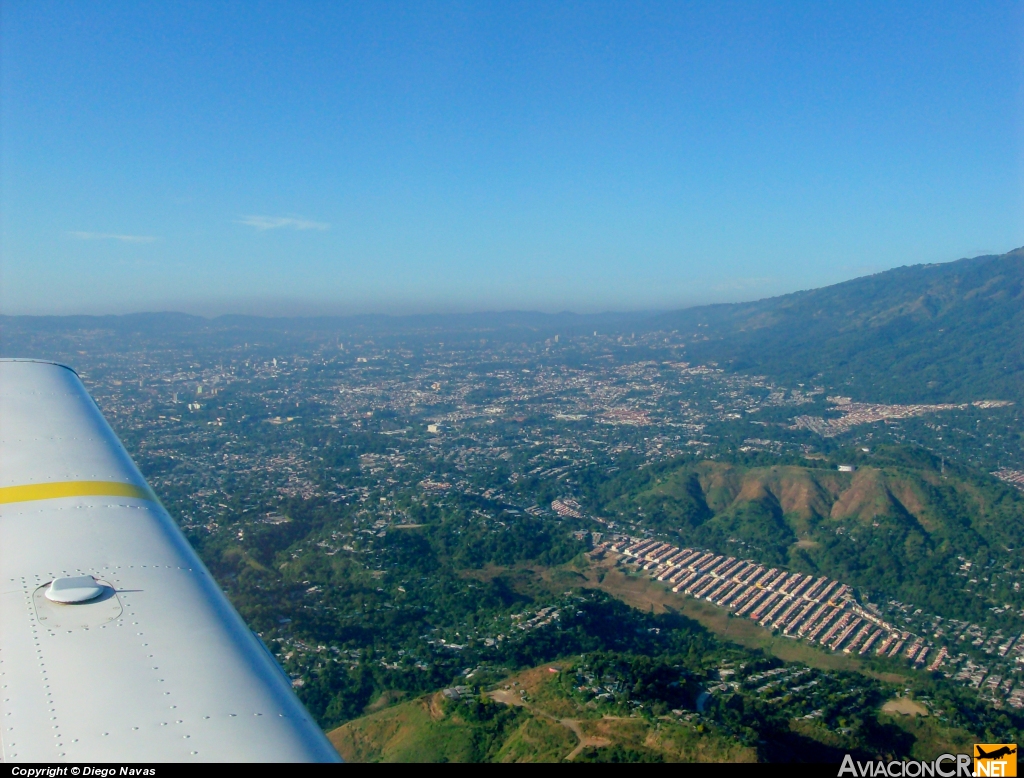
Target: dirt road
{"x": 508, "y": 697}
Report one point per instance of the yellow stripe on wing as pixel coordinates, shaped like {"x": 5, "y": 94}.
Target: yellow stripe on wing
{"x": 58, "y": 489}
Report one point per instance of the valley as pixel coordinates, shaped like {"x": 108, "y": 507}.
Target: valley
{"x": 414, "y": 514}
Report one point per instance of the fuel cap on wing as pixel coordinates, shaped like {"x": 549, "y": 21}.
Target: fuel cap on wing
{"x": 81, "y": 588}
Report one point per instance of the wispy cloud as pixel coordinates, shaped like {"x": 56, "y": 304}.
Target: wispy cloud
{"x": 113, "y": 236}
{"x": 264, "y": 223}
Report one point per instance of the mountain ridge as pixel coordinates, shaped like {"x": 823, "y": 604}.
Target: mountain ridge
{"x": 949, "y": 332}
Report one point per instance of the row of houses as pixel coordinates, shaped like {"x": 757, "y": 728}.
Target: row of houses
{"x": 816, "y": 609}
{"x": 869, "y": 413}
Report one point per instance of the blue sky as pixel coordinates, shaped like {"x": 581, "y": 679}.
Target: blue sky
{"x": 294, "y": 157}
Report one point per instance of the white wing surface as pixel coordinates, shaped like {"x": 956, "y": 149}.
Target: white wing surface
{"x": 137, "y": 656}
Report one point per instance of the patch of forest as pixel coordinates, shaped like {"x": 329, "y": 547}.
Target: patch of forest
{"x": 364, "y": 619}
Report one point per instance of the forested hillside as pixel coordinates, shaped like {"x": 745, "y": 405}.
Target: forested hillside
{"x": 901, "y": 526}
{"x": 950, "y": 332}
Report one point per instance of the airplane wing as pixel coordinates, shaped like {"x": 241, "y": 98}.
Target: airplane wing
{"x": 116, "y": 644}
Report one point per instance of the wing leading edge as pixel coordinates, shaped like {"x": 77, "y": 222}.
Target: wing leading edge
{"x": 155, "y": 665}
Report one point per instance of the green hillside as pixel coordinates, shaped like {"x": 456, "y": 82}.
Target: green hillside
{"x": 528, "y": 718}
{"x": 658, "y": 713}
{"x": 951, "y": 332}
{"x": 902, "y": 526}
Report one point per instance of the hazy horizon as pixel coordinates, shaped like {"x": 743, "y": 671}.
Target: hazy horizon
{"x": 271, "y": 308}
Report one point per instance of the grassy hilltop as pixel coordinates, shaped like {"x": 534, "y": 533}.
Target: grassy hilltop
{"x": 544, "y": 714}
{"x": 530, "y": 717}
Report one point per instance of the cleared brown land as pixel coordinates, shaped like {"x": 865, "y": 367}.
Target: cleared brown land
{"x": 905, "y": 706}
{"x": 532, "y": 681}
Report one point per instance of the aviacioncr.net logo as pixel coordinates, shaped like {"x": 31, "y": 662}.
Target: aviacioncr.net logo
{"x": 995, "y": 759}
{"x": 945, "y": 766}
